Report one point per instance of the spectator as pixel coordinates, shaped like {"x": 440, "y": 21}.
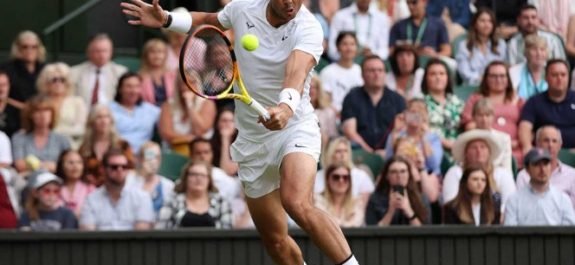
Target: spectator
{"x": 528, "y": 78}
{"x": 496, "y": 87}
{"x": 539, "y": 203}
{"x": 562, "y": 175}
{"x": 483, "y": 118}
{"x": 43, "y": 211}
{"x": 413, "y": 124}
{"x": 570, "y": 45}
{"x": 114, "y": 205}
{"x": 160, "y": 188}
{"x": 528, "y": 23}
{"x": 368, "y": 112}
{"x": 9, "y": 108}
{"x": 395, "y": 9}
{"x": 342, "y": 76}
{"x": 443, "y": 106}
{"x": 5, "y": 151}
{"x": 369, "y": 24}
{"x": 458, "y": 10}
{"x": 556, "y": 106}
{"x": 337, "y": 199}
{"x": 506, "y": 13}
{"x": 175, "y": 44}
{"x": 406, "y": 75}
{"x": 197, "y": 202}
{"x": 396, "y": 199}
{"x": 185, "y": 117}
{"x": 157, "y": 80}
{"x": 338, "y": 151}
{"x": 428, "y": 34}
{"x": 477, "y": 148}
{"x": 225, "y": 134}
{"x": 75, "y": 189}
{"x": 38, "y": 141}
{"x": 135, "y": 119}
{"x": 11, "y": 186}
{"x": 326, "y": 114}
{"x": 96, "y": 79}
{"x": 481, "y": 47}
{"x": 229, "y": 187}
{"x": 101, "y": 136}
{"x": 54, "y": 82}
{"x": 475, "y": 203}
{"x": 554, "y": 15}
{"x": 27, "y": 57}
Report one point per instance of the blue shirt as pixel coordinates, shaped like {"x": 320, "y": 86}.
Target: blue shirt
{"x": 434, "y": 36}
{"x": 373, "y": 122}
{"x": 432, "y": 162}
{"x": 526, "y": 207}
{"x": 135, "y": 126}
{"x": 541, "y": 111}
{"x": 61, "y": 218}
{"x": 458, "y": 10}
{"x": 471, "y": 64}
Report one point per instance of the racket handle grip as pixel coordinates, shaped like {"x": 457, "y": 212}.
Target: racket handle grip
{"x": 260, "y": 109}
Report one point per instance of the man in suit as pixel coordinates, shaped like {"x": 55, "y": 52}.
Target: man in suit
{"x": 95, "y": 80}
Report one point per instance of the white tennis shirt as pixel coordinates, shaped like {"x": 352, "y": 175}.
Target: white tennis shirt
{"x": 263, "y": 70}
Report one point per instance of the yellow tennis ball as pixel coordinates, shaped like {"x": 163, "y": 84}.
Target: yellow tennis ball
{"x": 250, "y": 42}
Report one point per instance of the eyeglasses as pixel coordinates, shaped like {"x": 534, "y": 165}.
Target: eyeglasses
{"x": 196, "y": 175}
{"x": 50, "y": 191}
{"x": 497, "y": 76}
{"x": 28, "y": 47}
{"x": 338, "y": 177}
{"x": 118, "y": 166}
{"x": 54, "y": 80}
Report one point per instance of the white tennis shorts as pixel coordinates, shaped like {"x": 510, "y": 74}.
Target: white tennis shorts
{"x": 259, "y": 162}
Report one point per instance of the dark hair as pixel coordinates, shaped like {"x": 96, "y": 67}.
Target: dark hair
{"x": 123, "y": 78}
{"x": 342, "y": 35}
{"x": 462, "y": 202}
{"x": 556, "y": 61}
{"x": 216, "y": 140}
{"x": 196, "y": 141}
{"x": 526, "y": 7}
{"x": 413, "y": 192}
{"x": 432, "y": 62}
{"x": 369, "y": 58}
{"x": 182, "y": 185}
{"x": 401, "y": 49}
{"x": 484, "y": 88}
{"x": 113, "y": 152}
{"x": 60, "y": 165}
{"x": 472, "y": 38}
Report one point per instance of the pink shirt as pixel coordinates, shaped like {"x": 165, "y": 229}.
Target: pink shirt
{"x": 75, "y": 200}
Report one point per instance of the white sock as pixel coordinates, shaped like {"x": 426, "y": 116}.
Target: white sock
{"x": 351, "y": 261}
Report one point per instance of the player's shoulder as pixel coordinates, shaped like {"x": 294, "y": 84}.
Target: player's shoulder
{"x": 244, "y": 4}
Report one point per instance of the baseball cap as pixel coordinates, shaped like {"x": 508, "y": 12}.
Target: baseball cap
{"x": 45, "y": 178}
{"x": 535, "y": 155}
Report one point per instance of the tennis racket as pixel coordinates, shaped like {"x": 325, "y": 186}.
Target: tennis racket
{"x": 209, "y": 68}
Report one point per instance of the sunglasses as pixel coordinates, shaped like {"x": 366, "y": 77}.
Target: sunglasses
{"x": 338, "y": 177}
{"x": 54, "y": 80}
{"x": 117, "y": 166}
{"x": 50, "y": 191}
{"x": 28, "y": 47}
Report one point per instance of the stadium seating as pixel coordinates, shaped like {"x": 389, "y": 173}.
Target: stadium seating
{"x": 464, "y": 91}
{"x": 373, "y": 161}
{"x": 567, "y": 157}
{"x": 172, "y": 165}
{"x": 132, "y": 62}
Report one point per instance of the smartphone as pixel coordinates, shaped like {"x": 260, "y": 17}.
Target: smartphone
{"x": 398, "y": 188}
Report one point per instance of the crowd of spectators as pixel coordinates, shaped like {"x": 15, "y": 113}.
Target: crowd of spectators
{"x": 81, "y": 146}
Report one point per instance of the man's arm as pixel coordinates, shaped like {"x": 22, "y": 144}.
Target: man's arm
{"x": 525, "y": 133}
{"x": 350, "y": 131}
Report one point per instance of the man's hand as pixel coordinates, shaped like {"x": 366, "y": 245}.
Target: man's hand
{"x": 152, "y": 16}
{"x": 279, "y": 117}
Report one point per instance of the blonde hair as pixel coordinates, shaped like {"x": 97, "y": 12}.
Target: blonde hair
{"x": 52, "y": 70}
{"x": 15, "y": 49}
{"x": 534, "y": 40}
{"x": 330, "y": 150}
{"x": 148, "y": 46}
{"x": 348, "y": 202}
{"x": 323, "y": 100}
{"x": 86, "y": 149}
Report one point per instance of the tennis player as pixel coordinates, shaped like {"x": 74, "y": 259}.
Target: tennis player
{"x": 277, "y": 157}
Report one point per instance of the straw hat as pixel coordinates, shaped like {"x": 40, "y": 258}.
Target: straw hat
{"x": 461, "y": 142}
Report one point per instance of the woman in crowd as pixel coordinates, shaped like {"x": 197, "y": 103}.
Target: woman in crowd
{"x": 443, "y": 106}
{"x": 101, "y": 136}
{"x": 339, "y": 151}
{"x": 225, "y": 134}
{"x": 28, "y": 55}
{"x": 43, "y": 210}
{"x": 481, "y": 47}
{"x": 38, "y": 146}
{"x": 340, "y": 77}
{"x": 528, "y": 78}
{"x": 396, "y": 199}
{"x": 157, "y": 80}
{"x": 413, "y": 124}
{"x": 54, "y": 82}
{"x": 135, "y": 119}
{"x": 337, "y": 200}
{"x": 326, "y": 114}
{"x": 406, "y": 75}
{"x": 496, "y": 87}
{"x": 75, "y": 188}
{"x": 197, "y": 202}
{"x": 477, "y": 148}
{"x": 186, "y": 117}
{"x": 475, "y": 203}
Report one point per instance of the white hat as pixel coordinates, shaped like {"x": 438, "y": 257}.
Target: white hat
{"x": 45, "y": 178}
{"x": 461, "y": 142}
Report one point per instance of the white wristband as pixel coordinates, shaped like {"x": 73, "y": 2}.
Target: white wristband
{"x": 181, "y": 22}
{"x": 291, "y": 97}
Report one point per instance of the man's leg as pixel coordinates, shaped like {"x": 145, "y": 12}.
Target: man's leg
{"x": 298, "y": 173}
{"x": 271, "y": 222}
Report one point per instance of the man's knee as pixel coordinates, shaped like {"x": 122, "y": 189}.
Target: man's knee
{"x": 298, "y": 209}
